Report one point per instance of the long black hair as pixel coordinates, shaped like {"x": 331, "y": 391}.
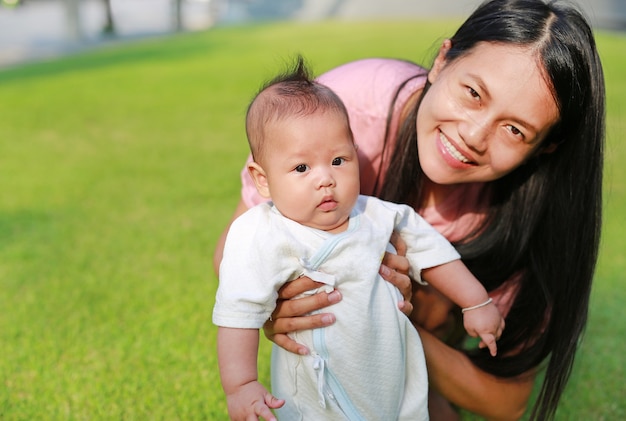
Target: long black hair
{"x": 544, "y": 218}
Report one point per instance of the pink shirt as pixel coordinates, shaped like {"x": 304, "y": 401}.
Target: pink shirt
{"x": 367, "y": 88}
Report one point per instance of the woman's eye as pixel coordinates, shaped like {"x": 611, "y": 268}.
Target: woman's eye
{"x": 515, "y": 131}
{"x": 473, "y": 93}
{"x": 338, "y": 161}
{"x": 300, "y": 168}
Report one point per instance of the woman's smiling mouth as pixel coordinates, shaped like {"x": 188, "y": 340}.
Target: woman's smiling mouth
{"x": 449, "y": 147}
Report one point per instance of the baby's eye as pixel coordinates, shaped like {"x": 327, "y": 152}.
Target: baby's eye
{"x": 301, "y": 168}
{"x": 338, "y": 161}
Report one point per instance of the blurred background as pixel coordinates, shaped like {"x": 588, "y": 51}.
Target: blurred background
{"x": 121, "y": 144}
{"x": 38, "y": 29}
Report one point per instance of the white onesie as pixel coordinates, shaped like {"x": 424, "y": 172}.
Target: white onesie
{"x": 369, "y": 365}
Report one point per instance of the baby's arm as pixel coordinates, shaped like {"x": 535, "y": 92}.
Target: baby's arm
{"x": 481, "y": 317}
{"x": 247, "y": 399}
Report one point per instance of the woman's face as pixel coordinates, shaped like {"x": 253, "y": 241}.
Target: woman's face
{"x": 484, "y": 114}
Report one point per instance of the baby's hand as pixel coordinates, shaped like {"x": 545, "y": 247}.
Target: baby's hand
{"x": 251, "y": 401}
{"x": 485, "y": 322}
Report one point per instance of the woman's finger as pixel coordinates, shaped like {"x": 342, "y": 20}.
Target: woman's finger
{"x": 403, "y": 283}
{"x": 285, "y": 342}
{"x": 297, "y": 287}
{"x": 294, "y": 324}
{"x": 398, "y": 243}
{"x": 276, "y": 330}
{"x": 397, "y": 262}
{"x": 305, "y": 305}
{"x": 398, "y": 280}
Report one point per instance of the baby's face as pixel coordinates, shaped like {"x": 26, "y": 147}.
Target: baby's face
{"x": 313, "y": 170}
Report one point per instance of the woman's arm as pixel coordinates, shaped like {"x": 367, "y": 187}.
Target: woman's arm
{"x": 453, "y": 375}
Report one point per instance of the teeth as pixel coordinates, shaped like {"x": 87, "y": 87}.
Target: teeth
{"x": 452, "y": 150}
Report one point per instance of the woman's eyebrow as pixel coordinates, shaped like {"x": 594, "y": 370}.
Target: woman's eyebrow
{"x": 485, "y": 92}
{"x": 480, "y": 84}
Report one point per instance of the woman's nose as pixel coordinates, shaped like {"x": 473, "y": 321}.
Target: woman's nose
{"x": 475, "y": 133}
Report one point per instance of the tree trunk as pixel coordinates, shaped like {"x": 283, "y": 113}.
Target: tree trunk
{"x": 109, "y": 26}
{"x": 72, "y": 11}
{"x": 178, "y": 15}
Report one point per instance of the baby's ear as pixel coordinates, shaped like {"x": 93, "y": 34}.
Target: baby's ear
{"x": 260, "y": 179}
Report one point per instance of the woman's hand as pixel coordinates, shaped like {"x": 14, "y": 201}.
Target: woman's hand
{"x": 453, "y": 376}
{"x": 292, "y": 315}
{"x": 395, "y": 270}
{"x": 435, "y": 313}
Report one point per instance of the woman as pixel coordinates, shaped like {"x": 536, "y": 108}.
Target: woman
{"x": 500, "y": 147}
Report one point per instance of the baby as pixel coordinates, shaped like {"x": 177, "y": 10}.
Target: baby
{"x": 370, "y": 363}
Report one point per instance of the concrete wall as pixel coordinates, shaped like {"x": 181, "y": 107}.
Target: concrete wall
{"x": 608, "y": 14}
{"x": 605, "y": 14}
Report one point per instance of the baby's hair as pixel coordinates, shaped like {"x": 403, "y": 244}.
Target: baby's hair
{"x": 293, "y": 93}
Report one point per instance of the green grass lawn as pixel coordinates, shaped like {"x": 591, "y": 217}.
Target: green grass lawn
{"x": 119, "y": 169}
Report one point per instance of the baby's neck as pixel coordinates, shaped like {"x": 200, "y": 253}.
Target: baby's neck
{"x": 339, "y": 228}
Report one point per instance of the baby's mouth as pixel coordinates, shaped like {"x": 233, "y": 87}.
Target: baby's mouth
{"x": 327, "y": 203}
